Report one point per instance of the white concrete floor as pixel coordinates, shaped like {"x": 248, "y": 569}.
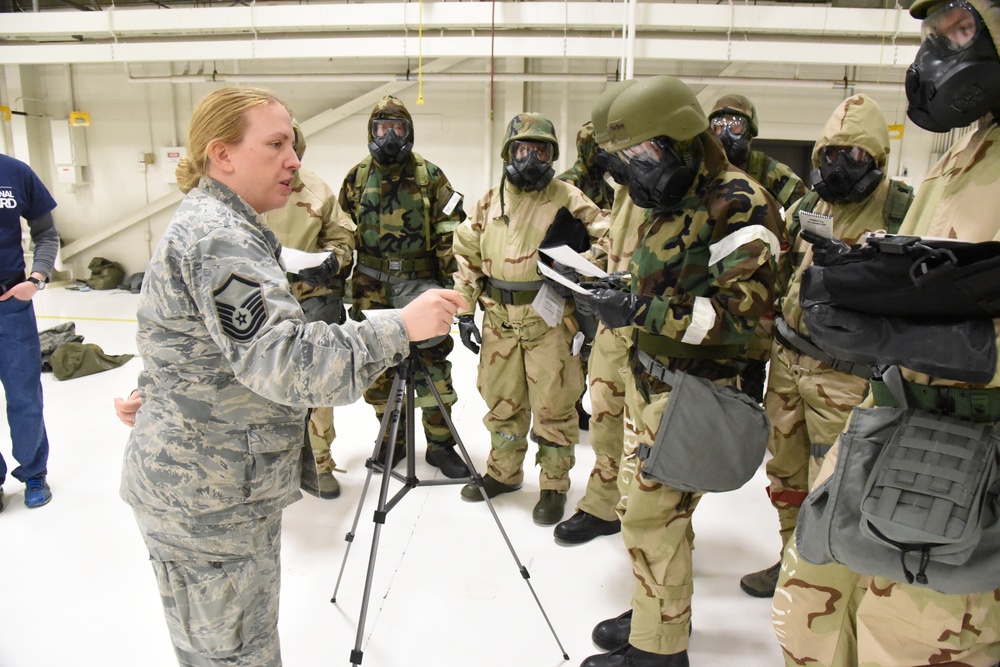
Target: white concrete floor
{"x": 75, "y": 587}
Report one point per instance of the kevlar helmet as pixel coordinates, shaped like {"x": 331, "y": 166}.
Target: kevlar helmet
{"x": 660, "y": 106}
{"x": 599, "y": 112}
{"x": 530, "y": 127}
{"x": 737, "y": 105}
{"x": 599, "y": 117}
{"x": 298, "y": 140}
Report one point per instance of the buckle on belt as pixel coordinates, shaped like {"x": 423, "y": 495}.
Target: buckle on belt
{"x": 395, "y": 265}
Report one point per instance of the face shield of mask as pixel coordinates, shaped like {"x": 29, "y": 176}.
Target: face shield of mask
{"x": 733, "y": 131}
{"x": 530, "y": 166}
{"x": 955, "y": 78}
{"x": 657, "y": 176}
{"x": 846, "y": 174}
{"x": 390, "y": 140}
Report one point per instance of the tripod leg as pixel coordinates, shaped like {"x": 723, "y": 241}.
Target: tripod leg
{"x": 477, "y": 478}
{"x": 398, "y": 391}
{"x": 349, "y": 538}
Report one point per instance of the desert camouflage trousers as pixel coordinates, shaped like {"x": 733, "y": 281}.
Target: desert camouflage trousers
{"x": 321, "y": 436}
{"x": 808, "y": 404}
{"x": 656, "y": 522}
{"x": 438, "y": 371}
{"x": 607, "y": 429}
{"x": 528, "y": 373}
{"x": 328, "y": 308}
{"x": 219, "y": 587}
{"x": 829, "y": 616}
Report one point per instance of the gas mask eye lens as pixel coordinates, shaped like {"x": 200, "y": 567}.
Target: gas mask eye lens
{"x": 953, "y": 27}
{"x": 736, "y": 125}
{"x": 381, "y": 128}
{"x": 855, "y": 154}
{"x": 522, "y": 150}
{"x": 647, "y": 151}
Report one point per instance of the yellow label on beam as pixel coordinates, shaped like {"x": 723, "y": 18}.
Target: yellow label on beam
{"x": 895, "y": 131}
{"x": 79, "y": 119}
{"x": 5, "y": 113}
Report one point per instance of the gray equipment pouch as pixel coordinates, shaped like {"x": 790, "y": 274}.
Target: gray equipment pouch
{"x": 926, "y": 490}
{"x": 710, "y": 438}
{"x": 408, "y": 290}
{"x": 911, "y": 491}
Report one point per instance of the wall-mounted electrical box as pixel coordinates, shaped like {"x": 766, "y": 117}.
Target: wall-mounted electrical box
{"x": 69, "y": 148}
{"x": 169, "y": 157}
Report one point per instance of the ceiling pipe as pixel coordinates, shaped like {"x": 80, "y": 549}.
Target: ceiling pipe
{"x": 511, "y": 77}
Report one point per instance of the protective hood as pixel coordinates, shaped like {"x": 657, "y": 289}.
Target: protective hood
{"x": 387, "y": 108}
{"x": 857, "y": 121}
{"x": 390, "y": 150}
{"x": 586, "y": 147}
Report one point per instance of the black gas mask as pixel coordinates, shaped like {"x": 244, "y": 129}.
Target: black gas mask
{"x": 530, "y": 166}
{"x": 659, "y": 174}
{"x": 611, "y": 164}
{"x": 392, "y": 140}
{"x": 955, "y": 78}
{"x": 733, "y": 131}
{"x": 846, "y": 175}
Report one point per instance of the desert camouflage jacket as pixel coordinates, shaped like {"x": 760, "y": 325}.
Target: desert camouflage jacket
{"x": 313, "y": 221}
{"x": 491, "y": 245}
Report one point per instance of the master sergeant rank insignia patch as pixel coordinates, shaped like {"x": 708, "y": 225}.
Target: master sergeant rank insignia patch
{"x": 239, "y": 304}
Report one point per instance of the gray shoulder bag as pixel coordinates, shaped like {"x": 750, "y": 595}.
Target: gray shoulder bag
{"x": 710, "y": 438}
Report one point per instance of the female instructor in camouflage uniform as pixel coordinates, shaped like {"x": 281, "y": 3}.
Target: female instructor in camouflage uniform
{"x": 230, "y": 368}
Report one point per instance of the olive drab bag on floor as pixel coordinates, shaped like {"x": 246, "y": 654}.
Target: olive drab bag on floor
{"x": 913, "y": 497}
{"x": 74, "y": 360}
{"x": 105, "y": 274}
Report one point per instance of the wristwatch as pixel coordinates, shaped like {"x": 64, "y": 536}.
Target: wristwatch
{"x": 38, "y": 283}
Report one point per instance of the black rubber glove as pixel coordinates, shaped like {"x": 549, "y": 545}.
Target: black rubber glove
{"x": 469, "y": 332}
{"x": 566, "y": 229}
{"x": 321, "y": 275}
{"x": 752, "y": 379}
{"x": 825, "y": 250}
{"x": 615, "y": 308}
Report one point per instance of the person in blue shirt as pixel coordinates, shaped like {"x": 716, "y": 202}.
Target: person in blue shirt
{"x": 22, "y": 195}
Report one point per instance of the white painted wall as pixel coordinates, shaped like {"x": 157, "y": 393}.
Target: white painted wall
{"x": 453, "y": 129}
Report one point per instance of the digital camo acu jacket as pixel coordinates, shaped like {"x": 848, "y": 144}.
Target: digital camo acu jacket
{"x": 230, "y": 368}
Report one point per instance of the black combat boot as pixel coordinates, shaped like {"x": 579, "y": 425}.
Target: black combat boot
{"x": 761, "y": 584}
{"x": 493, "y": 489}
{"x": 583, "y": 527}
{"x": 398, "y": 455}
{"x": 550, "y": 508}
{"x": 630, "y": 656}
{"x": 612, "y": 634}
{"x": 447, "y": 460}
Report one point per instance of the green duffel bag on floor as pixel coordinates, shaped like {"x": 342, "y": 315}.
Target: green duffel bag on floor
{"x": 74, "y": 360}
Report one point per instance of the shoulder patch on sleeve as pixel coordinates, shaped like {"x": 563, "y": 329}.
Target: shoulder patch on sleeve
{"x": 239, "y": 305}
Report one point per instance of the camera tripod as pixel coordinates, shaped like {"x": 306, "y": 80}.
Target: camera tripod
{"x": 401, "y": 396}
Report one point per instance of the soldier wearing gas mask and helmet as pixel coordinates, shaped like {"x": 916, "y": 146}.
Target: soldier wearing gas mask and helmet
{"x": 527, "y": 371}
{"x": 828, "y": 614}
{"x": 703, "y": 274}
{"x": 406, "y": 211}
{"x": 809, "y": 393}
